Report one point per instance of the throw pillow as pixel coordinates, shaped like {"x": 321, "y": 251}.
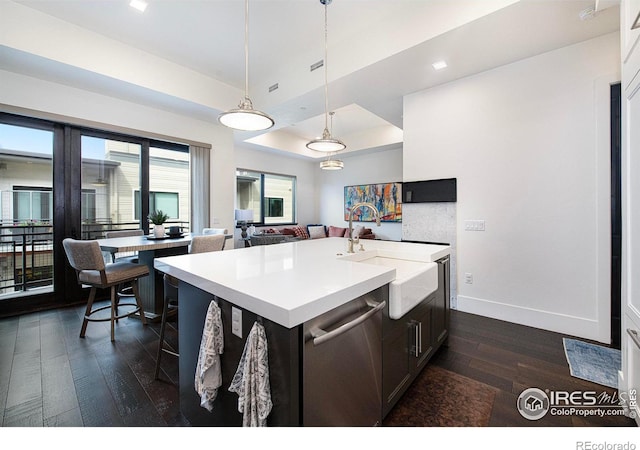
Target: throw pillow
{"x": 288, "y": 231}
{"x": 316, "y": 231}
{"x": 337, "y": 231}
{"x": 300, "y": 232}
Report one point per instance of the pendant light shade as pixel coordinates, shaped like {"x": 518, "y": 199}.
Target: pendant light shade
{"x": 245, "y": 118}
{"x": 326, "y": 143}
{"x": 331, "y": 164}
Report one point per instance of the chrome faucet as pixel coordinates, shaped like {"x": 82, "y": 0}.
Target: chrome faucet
{"x": 353, "y": 208}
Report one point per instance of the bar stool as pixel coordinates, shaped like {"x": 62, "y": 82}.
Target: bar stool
{"x": 199, "y": 244}
{"x": 215, "y": 231}
{"x": 86, "y": 258}
{"x": 124, "y": 291}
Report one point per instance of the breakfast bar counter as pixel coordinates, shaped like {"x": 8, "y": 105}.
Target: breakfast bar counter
{"x": 285, "y": 287}
{"x": 292, "y": 282}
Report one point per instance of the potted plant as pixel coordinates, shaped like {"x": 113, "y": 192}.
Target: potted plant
{"x": 158, "y": 218}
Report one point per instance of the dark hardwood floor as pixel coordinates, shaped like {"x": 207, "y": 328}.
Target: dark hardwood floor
{"x": 49, "y": 377}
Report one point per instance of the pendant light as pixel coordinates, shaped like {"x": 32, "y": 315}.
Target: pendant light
{"x": 331, "y": 164}
{"x": 326, "y": 143}
{"x": 245, "y": 118}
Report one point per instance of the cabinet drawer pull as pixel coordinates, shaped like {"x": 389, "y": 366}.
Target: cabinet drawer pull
{"x": 420, "y": 338}
{"x": 416, "y": 338}
{"x": 634, "y": 336}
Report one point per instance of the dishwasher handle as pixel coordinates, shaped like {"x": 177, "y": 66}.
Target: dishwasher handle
{"x": 320, "y": 336}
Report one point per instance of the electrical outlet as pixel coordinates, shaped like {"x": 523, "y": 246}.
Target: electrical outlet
{"x": 236, "y": 321}
{"x": 468, "y": 278}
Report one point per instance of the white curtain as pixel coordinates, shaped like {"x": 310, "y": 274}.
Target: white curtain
{"x": 200, "y": 187}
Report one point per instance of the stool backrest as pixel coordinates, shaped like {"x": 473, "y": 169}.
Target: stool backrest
{"x": 207, "y": 243}
{"x": 123, "y": 233}
{"x": 83, "y": 255}
{"x": 214, "y": 231}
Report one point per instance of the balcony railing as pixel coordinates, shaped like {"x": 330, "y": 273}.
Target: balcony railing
{"x": 26, "y": 252}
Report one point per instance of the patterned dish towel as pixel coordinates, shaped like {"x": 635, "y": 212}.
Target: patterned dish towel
{"x": 251, "y": 381}
{"x": 208, "y": 373}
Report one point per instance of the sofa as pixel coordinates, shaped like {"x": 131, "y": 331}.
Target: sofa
{"x": 313, "y": 231}
{"x": 317, "y": 231}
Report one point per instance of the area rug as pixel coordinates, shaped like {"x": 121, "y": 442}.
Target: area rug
{"x": 592, "y": 362}
{"x": 439, "y": 398}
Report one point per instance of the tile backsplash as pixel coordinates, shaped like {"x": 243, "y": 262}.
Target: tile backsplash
{"x": 436, "y": 223}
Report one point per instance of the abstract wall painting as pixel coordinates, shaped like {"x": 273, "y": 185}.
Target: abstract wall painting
{"x": 387, "y": 197}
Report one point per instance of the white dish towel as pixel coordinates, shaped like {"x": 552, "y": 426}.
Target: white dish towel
{"x": 251, "y": 381}
{"x": 208, "y": 374}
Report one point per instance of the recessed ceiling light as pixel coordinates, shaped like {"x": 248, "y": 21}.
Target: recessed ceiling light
{"x": 140, "y": 5}
{"x": 438, "y": 65}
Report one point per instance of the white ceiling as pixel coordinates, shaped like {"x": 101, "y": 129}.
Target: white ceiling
{"x": 379, "y": 51}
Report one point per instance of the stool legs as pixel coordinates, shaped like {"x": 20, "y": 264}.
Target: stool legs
{"x": 163, "y": 324}
{"x": 87, "y": 313}
{"x": 136, "y": 294}
{"x": 114, "y": 312}
{"x": 115, "y": 298}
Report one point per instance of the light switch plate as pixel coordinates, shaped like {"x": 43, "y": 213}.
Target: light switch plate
{"x": 474, "y": 225}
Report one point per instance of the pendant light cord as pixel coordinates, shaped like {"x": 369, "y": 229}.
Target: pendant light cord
{"x": 246, "y": 49}
{"x": 326, "y": 82}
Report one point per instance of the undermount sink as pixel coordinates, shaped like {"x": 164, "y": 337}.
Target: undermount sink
{"x": 415, "y": 280}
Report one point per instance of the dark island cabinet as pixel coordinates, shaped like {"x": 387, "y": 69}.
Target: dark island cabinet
{"x": 410, "y": 342}
{"x": 441, "y": 307}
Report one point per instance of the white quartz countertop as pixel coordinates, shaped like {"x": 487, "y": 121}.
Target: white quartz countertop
{"x": 292, "y": 282}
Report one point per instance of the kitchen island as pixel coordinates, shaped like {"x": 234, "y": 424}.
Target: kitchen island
{"x": 285, "y": 286}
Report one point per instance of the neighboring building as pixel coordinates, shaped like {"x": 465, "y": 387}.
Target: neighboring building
{"x": 110, "y": 200}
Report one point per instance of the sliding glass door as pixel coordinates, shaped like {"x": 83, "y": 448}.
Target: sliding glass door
{"x": 59, "y": 181}
{"x": 110, "y": 181}
{"x": 26, "y": 209}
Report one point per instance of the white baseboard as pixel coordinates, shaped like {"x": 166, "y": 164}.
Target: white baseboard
{"x": 546, "y": 320}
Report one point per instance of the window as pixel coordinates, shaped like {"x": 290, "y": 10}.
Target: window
{"x": 88, "y": 203}
{"x": 168, "y": 202}
{"x": 98, "y": 173}
{"x": 273, "y": 207}
{"x": 272, "y": 197}
{"x": 32, "y": 204}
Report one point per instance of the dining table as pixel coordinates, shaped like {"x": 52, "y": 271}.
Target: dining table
{"x": 149, "y": 247}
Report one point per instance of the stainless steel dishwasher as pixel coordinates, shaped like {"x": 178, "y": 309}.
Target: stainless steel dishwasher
{"x": 342, "y": 364}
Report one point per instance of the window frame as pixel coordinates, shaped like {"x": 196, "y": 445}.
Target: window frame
{"x": 294, "y": 194}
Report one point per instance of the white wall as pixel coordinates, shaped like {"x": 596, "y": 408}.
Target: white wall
{"x": 528, "y": 143}
{"x": 32, "y": 93}
{"x": 380, "y": 167}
